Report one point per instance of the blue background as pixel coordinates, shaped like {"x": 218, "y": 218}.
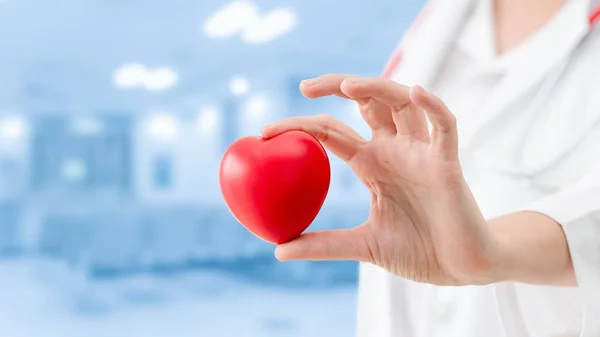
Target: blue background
{"x": 113, "y": 118}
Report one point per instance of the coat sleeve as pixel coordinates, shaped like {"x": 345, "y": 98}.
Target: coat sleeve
{"x": 577, "y": 209}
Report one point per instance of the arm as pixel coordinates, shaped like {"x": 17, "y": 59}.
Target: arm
{"x": 555, "y": 241}
{"x": 425, "y": 225}
{"x": 532, "y": 249}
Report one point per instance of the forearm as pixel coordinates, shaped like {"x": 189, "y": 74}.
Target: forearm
{"x": 531, "y": 248}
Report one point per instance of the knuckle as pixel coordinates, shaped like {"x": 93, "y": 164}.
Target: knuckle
{"x": 324, "y": 124}
{"x": 452, "y": 121}
{"x": 379, "y": 87}
{"x": 438, "y": 101}
{"x": 372, "y": 249}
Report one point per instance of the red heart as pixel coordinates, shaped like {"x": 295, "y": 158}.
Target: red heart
{"x": 275, "y": 187}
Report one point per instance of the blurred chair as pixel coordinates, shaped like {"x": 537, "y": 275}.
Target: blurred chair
{"x": 114, "y": 243}
{"x": 75, "y": 235}
{"x": 65, "y": 237}
{"x": 168, "y": 238}
{"x": 202, "y": 253}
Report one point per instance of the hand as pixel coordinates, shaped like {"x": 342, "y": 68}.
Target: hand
{"x": 424, "y": 224}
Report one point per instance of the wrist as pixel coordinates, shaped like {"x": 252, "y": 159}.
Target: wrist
{"x": 503, "y": 265}
{"x": 491, "y": 264}
{"x": 496, "y": 263}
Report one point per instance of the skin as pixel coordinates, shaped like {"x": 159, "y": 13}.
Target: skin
{"x": 517, "y": 20}
{"x": 424, "y": 224}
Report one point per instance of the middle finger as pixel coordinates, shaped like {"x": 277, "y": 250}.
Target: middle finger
{"x": 377, "y": 115}
{"x": 408, "y": 118}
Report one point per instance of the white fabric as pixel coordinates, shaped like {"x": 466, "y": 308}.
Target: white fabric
{"x": 492, "y": 98}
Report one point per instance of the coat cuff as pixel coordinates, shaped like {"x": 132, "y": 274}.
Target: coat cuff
{"x": 578, "y": 211}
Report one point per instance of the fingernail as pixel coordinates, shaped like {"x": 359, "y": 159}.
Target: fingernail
{"x": 418, "y": 87}
{"x": 414, "y": 90}
{"x": 355, "y": 80}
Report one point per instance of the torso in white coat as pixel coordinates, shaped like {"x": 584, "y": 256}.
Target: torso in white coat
{"x": 551, "y": 167}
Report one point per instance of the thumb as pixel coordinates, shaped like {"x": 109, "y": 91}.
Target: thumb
{"x": 343, "y": 244}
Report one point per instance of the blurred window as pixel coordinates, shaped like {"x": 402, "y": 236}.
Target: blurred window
{"x": 162, "y": 172}
{"x": 65, "y": 158}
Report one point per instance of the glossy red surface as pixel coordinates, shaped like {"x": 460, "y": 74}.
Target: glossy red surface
{"x": 275, "y": 187}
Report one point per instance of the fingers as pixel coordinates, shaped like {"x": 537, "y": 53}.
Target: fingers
{"x": 335, "y": 136}
{"x": 376, "y": 114}
{"x": 343, "y": 244}
{"x": 391, "y": 107}
{"x": 388, "y": 92}
{"x": 444, "y": 133}
{"x": 411, "y": 120}
{"x": 325, "y": 85}
{"x": 407, "y": 119}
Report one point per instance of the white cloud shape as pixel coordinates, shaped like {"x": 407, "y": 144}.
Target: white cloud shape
{"x": 230, "y": 20}
{"x": 271, "y": 26}
{"x": 135, "y": 75}
{"x": 242, "y": 18}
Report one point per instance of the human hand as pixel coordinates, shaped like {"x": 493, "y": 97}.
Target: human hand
{"x": 424, "y": 224}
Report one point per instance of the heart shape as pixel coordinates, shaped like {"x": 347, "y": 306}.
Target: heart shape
{"x": 275, "y": 187}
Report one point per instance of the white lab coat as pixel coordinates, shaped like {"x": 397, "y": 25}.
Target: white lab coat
{"x": 565, "y": 143}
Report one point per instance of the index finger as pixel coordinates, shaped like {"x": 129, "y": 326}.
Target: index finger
{"x": 409, "y": 119}
{"x": 335, "y": 136}
{"x": 388, "y": 92}
{"x": 376, "y": 114}
{"x": 325, "y": 85}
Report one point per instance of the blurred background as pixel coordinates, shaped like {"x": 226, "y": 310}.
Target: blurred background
{"x": 113, "y": 118}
